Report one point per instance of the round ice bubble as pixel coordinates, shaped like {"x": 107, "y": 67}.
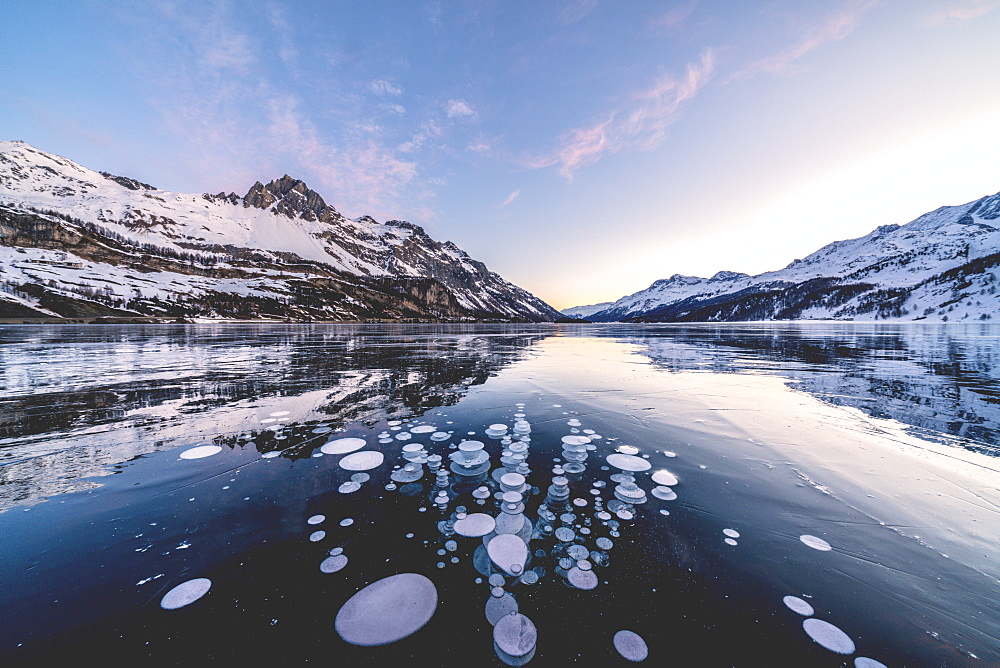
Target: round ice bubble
{"x": 796, "y": 604}
{"x": 815, "y": 543}
{"x": 201, "y": 451}
{"x": 829, "y": 636}
{"x": 185, "y": 593}
{"x": 387, "y": 610}
{"x": 631, "y": 646}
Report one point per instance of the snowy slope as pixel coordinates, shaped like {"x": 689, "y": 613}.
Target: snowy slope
{"x": 940, "y": 266}
{"x": 283, "y": 220}
{"x": 584, "y": 311}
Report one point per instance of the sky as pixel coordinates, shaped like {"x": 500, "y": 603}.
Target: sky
{"x": 580, "y": 148}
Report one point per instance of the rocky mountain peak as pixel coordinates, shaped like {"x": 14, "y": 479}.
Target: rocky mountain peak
{"x": 125, "y": 181}
{"x": 292, "y": 198}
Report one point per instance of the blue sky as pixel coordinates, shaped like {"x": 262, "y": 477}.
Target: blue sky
{"x": 581, "y": 148}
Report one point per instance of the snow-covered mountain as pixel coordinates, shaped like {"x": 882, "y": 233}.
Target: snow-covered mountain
{"x": 584, "y": 311}
{"x": 943, "y": 266}
{"x": 79, "y": 243}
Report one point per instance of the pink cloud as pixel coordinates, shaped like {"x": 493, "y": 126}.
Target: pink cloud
{"x": 834, "y": 29}
{"x": 964, "y": 11}
{"x": 639, "y": 125}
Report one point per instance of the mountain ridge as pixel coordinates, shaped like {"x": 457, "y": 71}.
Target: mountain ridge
{"x": 279, "y": 228}
{"x": 942, "y": 266}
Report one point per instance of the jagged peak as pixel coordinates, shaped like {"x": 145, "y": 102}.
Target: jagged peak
{"x": 290, "y": 197}
{"x": 126, "y": 182}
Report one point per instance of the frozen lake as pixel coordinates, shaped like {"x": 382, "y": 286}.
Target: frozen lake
{"x": 812, "y": 494}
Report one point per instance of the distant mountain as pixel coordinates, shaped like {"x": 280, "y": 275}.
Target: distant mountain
{"x": 584, "y": 311}
{"x": 77, "y": 243}
{"x": 944, "y": 266}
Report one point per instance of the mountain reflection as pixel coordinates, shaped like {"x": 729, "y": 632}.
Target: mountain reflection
{"x": 941, "y": 380}
{"x": 78, "y": 400}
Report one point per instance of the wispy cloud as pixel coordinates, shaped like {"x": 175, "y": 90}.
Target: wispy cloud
{"x": 833, "y": 29}
{"x": 639, "y": 125}
{"x": 510, "y": 198}
{"x": 670, "y": 20}
{"x": 456, "y": 108}
{"x": 383, "y": 87}
{"x": 234, "y": 120}
{"x": 964, "y": 10}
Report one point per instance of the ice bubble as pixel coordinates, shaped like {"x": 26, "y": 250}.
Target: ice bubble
{"x": 664, "y": 511}
{"x": 509, "y": 552}
{"x": 201, "y": 451}
{"x": 387, "y": 610}
{"x": 322, "y": 430}
{"x": 730, "y": 541}
{"x": 342, "y": 446}
{"x": 362, "y": 461}
{"x": 575, "y": 440}
{"x": 664, "y": 493}
{"x": 316, "y": 519}
{"x": 628, "y": 462}
{"x": 582, "y": 579}
{"x": 631, "y": 646}
{"x": 349, "y": 487}
{"x": 394, "y": 423}
{"x": 565, "y": 534}
{"x": 279, "y": 413}
{"x": 668, "y": 453}
{"x": 439, "y": 436}
{"x": 496, "y": 580}
{"x": 317, "y": 536}
{"x": 346, "y": 522}
{"x": 628, "y": 449}
{"x": 579, "y": 502}
{"x": 815, "y": 543}
{"x": 268, "y": 420}
{"x": 361, "y": 477}
{"x": 500, "y": 606}
{"x": 578, "y": 552}
{"x": 333, "y": 564}
{"x": 515, "y": 635}
{"x": 270, "y": 455}
{"x": 185, "y": 593}
{"x": 385, "y": 441}
{"x": 829, "y": 636}
{"x": 796, "y": 604}
{"x": 335, "y": 551}
{"x": 475, "y": 525}
{"x": 529, "y": 578}
{"x": 865, "y": 662}
{"x": 404, "y": 436}
{"x": 422, "y": 429}
{"x": 665, "y": 477}
{"x": 732, "y": 533}
{"x": 625, "y": 514}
